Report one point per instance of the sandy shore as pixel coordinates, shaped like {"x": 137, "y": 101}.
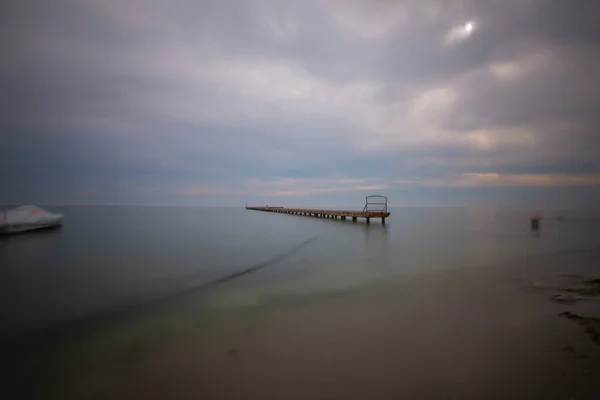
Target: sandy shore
{"x": 473, "y": 333}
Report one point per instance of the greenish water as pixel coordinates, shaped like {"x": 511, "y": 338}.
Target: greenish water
{"x": 109, "y": 257}
{"x": 117, "y": 280}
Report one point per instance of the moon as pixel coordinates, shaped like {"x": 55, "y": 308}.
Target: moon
{"x": 460, "y": 32}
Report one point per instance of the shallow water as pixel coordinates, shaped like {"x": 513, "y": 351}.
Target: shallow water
{"x": 142, "y": 269}
{"x": 110, "y": 256}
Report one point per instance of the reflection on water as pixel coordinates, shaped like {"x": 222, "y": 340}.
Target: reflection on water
{"x": 376, "y": 236}
{"x": 28, "y": 249}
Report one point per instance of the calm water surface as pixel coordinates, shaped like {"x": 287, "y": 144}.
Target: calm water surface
{"x": 215, "y": 300}
{"x": 108, "y": 257}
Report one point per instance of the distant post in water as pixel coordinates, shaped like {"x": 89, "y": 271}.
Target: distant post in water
{"x": 535, "y": 223}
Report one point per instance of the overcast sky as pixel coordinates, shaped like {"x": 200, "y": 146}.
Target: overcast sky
{"x": 300, "y": 102}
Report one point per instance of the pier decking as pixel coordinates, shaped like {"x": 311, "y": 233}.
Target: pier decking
{"x": 334, "y": 214}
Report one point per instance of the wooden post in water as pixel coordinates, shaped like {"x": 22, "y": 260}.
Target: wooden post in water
{"x": 535, "y": 223}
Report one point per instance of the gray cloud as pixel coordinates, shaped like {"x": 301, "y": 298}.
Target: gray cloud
{"x": 191, "y": 100}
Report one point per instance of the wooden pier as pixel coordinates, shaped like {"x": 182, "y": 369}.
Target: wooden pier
{"x": 368, "y": 212}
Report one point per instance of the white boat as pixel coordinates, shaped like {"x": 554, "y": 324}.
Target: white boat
{"x": 28, "y": 218}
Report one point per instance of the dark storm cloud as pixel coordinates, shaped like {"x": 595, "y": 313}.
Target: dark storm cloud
{"x": 197, "y": 98}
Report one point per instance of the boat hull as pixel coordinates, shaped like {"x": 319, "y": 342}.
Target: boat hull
{"x": 28, "y": 218}
{"x": 24, "y": 228}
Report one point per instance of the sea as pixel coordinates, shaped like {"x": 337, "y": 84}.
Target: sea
{"x": 110, "y": 267}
